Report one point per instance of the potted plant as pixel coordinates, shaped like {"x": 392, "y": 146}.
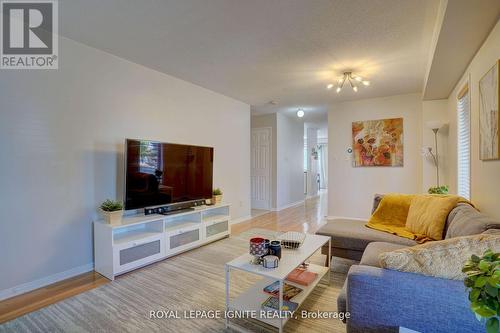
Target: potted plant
{"x": 112, "y": 211}
{"x": 483, "y": 282}
{"x": 438, "y": 189}
{"x": 217, "y": 196}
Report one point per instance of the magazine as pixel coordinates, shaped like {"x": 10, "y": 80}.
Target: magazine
{"x": 272, "y": 304}
{"x": 289, "y": 291}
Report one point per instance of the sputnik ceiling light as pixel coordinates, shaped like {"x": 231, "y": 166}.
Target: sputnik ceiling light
{"x": 353, "y": 81}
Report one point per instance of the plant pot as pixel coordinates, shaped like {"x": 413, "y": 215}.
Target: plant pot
{"x": 113, "y": 217}
{"x": 217, "y": 199}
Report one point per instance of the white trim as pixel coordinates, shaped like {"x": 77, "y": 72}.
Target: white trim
{"x": 346, "y": 218}
{"x": 241, "y": 219}
{"x": 293, "y": 204}
{"x": 45, "y": 281}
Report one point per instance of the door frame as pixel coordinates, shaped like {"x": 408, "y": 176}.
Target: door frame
{"x": 269, "y": 171}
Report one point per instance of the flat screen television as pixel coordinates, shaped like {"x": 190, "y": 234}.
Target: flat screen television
{"x": 159, "y": 173}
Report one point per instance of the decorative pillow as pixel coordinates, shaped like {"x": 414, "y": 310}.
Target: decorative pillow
{"x": 427, "y": 214}
{"x": 465, "y": 220}
{"x": 376, "y": 201}
{"x": 442, "y": 259}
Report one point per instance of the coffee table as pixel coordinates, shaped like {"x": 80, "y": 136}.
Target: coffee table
{"x": 252, "y": 299}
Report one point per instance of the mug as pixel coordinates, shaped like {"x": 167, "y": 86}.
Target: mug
{"x": 275, "y": 248}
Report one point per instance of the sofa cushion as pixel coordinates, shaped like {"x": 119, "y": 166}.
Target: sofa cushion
{"x": 354, "y": 235}
{"x": 443, "y": 259}
{"x": 465, "y": 220}
{"x": 373, "y": 250}
{"x": 427, "y": 215}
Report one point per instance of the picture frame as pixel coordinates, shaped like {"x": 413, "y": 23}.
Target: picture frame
{"x": 489, "y": 115}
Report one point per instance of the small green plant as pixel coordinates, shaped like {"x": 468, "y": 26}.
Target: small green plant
{"x": 217, "y": 191}
{"x": 438, "y": 190}
{"x": 483, "y": 282}
{"x": 111, "y": 205}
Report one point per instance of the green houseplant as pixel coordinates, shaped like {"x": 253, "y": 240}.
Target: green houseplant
{"x": 438, "y": 189}
{"x": 112, "y": 211}
{"x": 483, "y": 283}
{"x": 217, "y": 196}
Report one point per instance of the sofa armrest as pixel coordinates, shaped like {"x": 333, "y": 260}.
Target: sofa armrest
{"x": 381, "y": 300}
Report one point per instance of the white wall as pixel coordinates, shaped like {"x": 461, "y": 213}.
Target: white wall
{"x": 485, "y": 175}
{"x": 290, "y": 158}
{"x": 62, "y": 137}
{"x": 435, "y": 110}
{"x": 352, "y": 189}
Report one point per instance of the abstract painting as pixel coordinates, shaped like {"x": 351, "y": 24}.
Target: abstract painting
{"x": 489, "y": 119}
{"x": 378, "y": 142}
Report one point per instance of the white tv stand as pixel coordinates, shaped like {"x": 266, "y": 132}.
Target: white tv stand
{"x": 143, "y": 239}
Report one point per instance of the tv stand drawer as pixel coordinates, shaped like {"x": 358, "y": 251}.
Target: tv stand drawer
{"x": 138, "y": 253}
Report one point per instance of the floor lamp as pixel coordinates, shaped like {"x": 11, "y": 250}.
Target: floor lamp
{"x": 435, "y": 126}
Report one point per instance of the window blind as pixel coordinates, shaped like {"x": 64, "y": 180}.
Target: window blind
{"x": 463, "y": 142}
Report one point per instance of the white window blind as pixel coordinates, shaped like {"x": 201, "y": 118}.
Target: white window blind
{"x": 463, "y": 140}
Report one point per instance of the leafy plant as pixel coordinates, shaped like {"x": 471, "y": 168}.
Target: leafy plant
{"x": 483, "y": 281}
{"x": 438, "y": 189}
{"x": 111, "y": 205}
{"x": 217, "y": 191}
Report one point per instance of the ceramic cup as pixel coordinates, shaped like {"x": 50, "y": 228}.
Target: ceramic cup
{"x": 275, "y": 248}
{"x": 257, "y": 247}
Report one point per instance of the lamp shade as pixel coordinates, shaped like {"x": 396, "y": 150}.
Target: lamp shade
{"x": 434, "y": 124}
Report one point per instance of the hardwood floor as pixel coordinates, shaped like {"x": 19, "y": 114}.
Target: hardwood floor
{"x": 17, "y": 306}
{"x": 307, "y": 217}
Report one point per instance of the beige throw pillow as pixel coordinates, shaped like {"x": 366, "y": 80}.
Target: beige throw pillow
{"x": 443, "y": 259}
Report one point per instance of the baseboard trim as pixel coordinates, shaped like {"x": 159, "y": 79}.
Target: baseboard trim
{"x": 45, "y": 281}
{"x": 312, "y": 196}
{"x": 241, "y": 219}
{"x": 346, "y": 218}
{"x": 293, "y": 204}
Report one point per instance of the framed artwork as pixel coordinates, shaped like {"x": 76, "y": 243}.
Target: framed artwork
{"x": 378, "y": 142}
{"x": 489, "y": 120}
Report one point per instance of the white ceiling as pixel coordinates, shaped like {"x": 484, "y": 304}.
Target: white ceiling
{"x": 462, "y": 27}
{"x": 261, "y": 50}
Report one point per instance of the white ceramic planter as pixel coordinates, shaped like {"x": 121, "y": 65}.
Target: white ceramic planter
{"x": 218, "y": 199}
{"x": 113, "y": 217}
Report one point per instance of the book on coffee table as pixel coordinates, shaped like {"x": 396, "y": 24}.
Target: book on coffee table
{"x": 272, "y": 304}
{"x": 301, "y": 276}
{"x": 289, "y": 291}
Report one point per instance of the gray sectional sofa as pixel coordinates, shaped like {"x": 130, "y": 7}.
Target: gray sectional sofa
{"x": 382, "y": 300}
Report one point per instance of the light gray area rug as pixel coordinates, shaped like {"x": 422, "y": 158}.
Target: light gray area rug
{"x": 193, "y": 280}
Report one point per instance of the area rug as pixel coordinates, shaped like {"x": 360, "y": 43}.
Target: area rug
{"x": 193, "y": 280}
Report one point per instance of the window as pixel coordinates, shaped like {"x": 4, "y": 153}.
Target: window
{"x": 463, "y": 143}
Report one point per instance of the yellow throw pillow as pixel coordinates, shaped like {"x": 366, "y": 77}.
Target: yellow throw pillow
{"x": 427, "y": 214}
{"x": 443, "y": 259}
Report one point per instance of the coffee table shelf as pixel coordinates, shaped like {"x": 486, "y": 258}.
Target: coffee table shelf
{"x": 252, "y": 298}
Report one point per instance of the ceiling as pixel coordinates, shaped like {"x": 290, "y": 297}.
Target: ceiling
{"x": 468, "y": 22}
{"x": 259, "y": 51}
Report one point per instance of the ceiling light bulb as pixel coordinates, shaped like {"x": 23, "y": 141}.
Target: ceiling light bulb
{"x": 355, "y": 88}
{"x": 338, "y": 90}
{"x": 330, "y": 86}
{"x": 366, "y": 83}
{"x": 341, "y": 80}
{"x": 300, "y": 113}
{"x": 358, "y": 78}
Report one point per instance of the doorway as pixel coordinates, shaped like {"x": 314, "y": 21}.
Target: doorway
{"x": 261, "y": 166}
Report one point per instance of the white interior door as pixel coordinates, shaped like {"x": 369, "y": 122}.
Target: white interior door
{"x": 261, "y": 167}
